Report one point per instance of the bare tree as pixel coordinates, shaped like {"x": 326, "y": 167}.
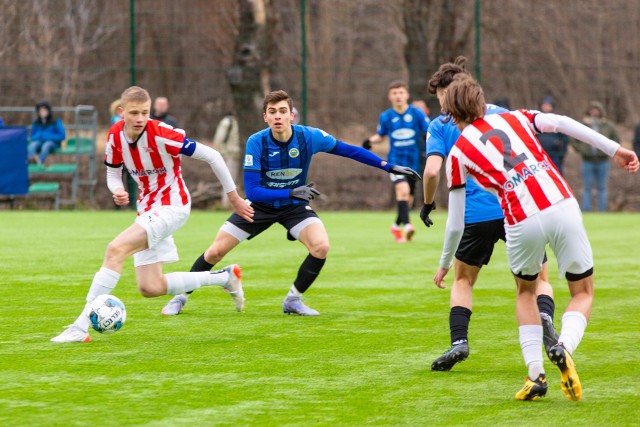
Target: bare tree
{"x": 87, "y": 30}
{"x": 437, "y": 31}
{"x": 248, "y": 76}
{"x": 8, "y": 21}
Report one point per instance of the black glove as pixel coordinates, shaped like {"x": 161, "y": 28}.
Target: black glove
{"x": 403, "y": 170}
{"x": 366, "y": 144}
{"x": 304, "y": 192}
{"x": 425, "y": 211}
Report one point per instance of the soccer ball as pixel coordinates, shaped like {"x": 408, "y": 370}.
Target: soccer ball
{"x": 107, "y": 314}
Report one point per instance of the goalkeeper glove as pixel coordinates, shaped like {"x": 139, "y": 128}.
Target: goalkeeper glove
{"x": 366, "y": 144}
{"x": 304, "y": 192}
{"x": 425, "y": 211}
{"x": 403, "y": 170}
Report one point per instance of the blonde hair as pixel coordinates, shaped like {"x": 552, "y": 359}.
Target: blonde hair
{"x": 464, "y": 100}
{"x": 134, "y": 93}
{"x": 113, "y": 108}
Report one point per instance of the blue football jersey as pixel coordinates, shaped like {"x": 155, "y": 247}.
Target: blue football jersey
{"x": 406, "y": 135}
{"x": 285, "y": 165}
{"x": 480, "y": 205}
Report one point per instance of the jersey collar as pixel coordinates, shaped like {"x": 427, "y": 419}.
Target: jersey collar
{"x": 279, "y": 143}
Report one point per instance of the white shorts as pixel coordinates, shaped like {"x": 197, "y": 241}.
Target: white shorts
{"x": 395, "y": 178}
{"x": 160, "y": 223}
{"x": 561, "y": 227}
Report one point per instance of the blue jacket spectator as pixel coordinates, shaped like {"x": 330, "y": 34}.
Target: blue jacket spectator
{"x": 47, "y": 133}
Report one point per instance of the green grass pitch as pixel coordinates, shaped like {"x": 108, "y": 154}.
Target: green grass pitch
{"x": 365, "y": 361}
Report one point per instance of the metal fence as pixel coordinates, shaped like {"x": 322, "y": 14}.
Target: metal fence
{"x": 335, "y": 57}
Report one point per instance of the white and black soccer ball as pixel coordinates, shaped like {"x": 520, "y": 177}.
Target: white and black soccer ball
{"x": 107, "y": 314}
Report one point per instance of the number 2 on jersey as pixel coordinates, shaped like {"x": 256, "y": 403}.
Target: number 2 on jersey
{"x": 509, "y": 161}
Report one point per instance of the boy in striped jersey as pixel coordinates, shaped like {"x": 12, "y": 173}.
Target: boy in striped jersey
{"x": 501, "y": 153}
{"x": 484, "y": 227}
{"x": 150, "y": 150}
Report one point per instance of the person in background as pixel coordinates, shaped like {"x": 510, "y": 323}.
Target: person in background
{"x": 160, "y": 111}
{"x": 421, "y": 105}
{"x": 296, "y": 116}
{"x": 554, "y": 143}
{"x": 636, "y": 139}
{"x": 47, "y": 134}
{"x": 405, "y": 127}
{"x": 227, "y": 141}
{"x": 595, "y": 163}
{"x": 132, "y": 185}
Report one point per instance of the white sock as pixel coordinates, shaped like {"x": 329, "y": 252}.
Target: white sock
{"x": 104, "y": 281}
{"x": 573, "y": 325}
{"x": 179, "y": 283}
{"x": 293, "y": 292}
{"x": 531, "y": 345}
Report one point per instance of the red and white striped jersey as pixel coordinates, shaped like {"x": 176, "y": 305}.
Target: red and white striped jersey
{"x": 153, "y": 161}
{"x": 501, "y": 153}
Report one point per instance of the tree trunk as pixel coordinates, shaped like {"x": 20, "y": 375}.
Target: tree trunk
{"x": 249, "y": 76}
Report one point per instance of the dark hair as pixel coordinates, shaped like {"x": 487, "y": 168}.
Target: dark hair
{"x": 397, "y": 84}
{"x": 548, "y": 100}
{"x": 47, "y": 106}
{"x": 275, "y": 97}
{"x": 464, "y": 100}
{"x": 445, "y": 74}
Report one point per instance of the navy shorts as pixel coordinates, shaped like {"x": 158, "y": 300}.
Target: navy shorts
{"x": 478, "y": 240}
{"x": 293, "y": 217}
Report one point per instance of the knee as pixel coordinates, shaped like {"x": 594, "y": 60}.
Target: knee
{"x": 320, "y": 250}
{"x": 115, "y": 253}
{"x": 402, "y": 194}
{"x": 150, "y": 288}
{"x": 213, "y": 255}
{"x": 463, "y": 284}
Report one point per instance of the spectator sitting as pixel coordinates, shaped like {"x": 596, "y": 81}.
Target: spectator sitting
{"x": 160, "y": 111}
{"x": 132, "y": 185}
{"x": 555, "y": 144}
{"x": 47, "y": 133}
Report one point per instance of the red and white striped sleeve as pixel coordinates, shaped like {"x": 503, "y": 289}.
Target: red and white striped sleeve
{"x": 113, "y": 150}
{"x": 456, "y": 173}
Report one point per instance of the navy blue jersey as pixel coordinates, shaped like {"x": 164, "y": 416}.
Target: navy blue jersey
{"x": 406, "y": 135}
{"x": 481, "y": 205}
{"x": 285, "y": 165}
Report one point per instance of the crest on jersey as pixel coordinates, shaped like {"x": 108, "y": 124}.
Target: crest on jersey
{"x": 294, "y": 152}
{"x": 407, "y": 118}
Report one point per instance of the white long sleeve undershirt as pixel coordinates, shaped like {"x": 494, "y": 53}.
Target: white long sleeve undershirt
{"x": 455, "y": 226}
{"x": 219, "y": 167}
{"x": 114, "y": 178}
{"x": 556, "y": 123}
